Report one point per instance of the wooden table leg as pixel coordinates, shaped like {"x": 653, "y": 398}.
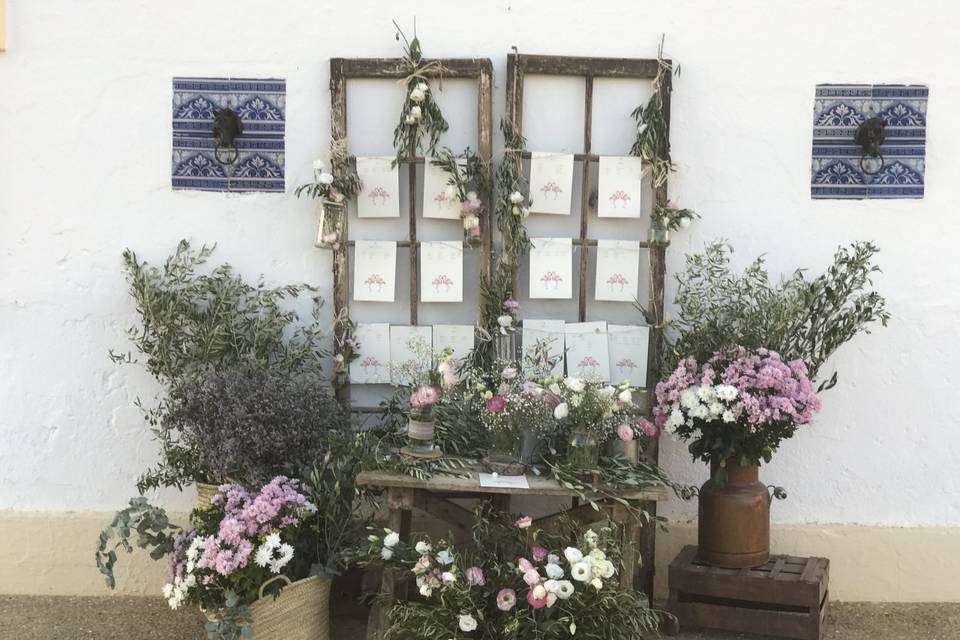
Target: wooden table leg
{"x": 631, "y": 560}
{"x": 648, "y": 551}
{"x": 399, "y": 505}
{"x": 500, "y": 502}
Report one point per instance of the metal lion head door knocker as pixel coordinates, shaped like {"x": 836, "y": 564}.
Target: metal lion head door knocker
{"x": 227, "y": 127}
{"x": 869, "y": 137}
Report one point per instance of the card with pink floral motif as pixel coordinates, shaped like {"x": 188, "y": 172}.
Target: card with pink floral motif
{"x": 411, "y": 349}
{"x": 437, "y": 199}
{"x": 620, "y": 187}
{"x": 587, "y": 355}
{"x": 458, "y": 337}
{"x": 549, "y": 334}
{"x": 618, "y": 269}
{"x": 551, "y": 182}
{"x": 628, "y": 353}
{"x": 372, "y": 366}
{"x": 380, "y": 195}
{"x": 374, "y": 270}
{"x": 551, "y": 268}
{"x": 441, "y": 271}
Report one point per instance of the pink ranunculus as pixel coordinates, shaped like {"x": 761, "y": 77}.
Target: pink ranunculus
{"x": 509, "y": 373}
{"x": 474, "y": 575}
{"x": 447, "y": 373}
{"x": 425, "y": 396}
{"x": 625, "y": 432}
{"x": 506, "y": 599}
{"x": 524, "y": 565}
{"x": 537, "y": 597}
{"x": 649, "y": 429}
{"x": 496, "y": 404}
{"x": 511, "y": 305}
{"x": 524, "y": 522}
{"x": 539, "y": 553}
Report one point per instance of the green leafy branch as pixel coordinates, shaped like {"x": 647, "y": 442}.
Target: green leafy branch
{"x": 420, "y": 116}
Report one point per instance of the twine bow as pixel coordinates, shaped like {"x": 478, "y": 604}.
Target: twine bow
{"x": 420, "y": 71}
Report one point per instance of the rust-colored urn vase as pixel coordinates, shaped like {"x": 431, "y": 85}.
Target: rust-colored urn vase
{"x": 734, "y": 519}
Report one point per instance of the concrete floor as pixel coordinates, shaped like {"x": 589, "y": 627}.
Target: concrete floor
{"x": 75, "y": 618}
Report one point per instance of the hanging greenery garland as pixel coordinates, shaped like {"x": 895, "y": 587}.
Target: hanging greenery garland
{"x": 420, "y": 117}
{"x": 468, "y": 177}
{"x": 653, "y": 131}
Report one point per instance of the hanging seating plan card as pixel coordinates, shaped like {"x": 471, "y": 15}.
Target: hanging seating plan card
{"x": 618, "y": 268}
{"x": 441, "y": 271}
{"x": 374, "y": 270}
{"x": 458, "y": 337}
{"x": 440, "y": 199}
{"x": 549, "y": 333}
{"x": 620, "y": 187}
{"x": 372, "y": 365}
{"x": 551, "y": 268}
{"x": 587, "y": 352}
{"x": 379, "y": 197}
{"x": 409, "y": 347}
{"x": 628, "y": 353}
{"x": 551, "y": 182}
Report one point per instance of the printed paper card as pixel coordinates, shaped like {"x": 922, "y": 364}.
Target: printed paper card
{"x": 618, "y": 268}
{"x": 628, "y": 353}
{"x": 410, "y": 349}
{"x": 587, "y": 352}
{"x": 372, "y": 366}
{"x": 436, "y": 201}
{"x": 548, "y": 332}
{"x": 551, "y": 268}
{"x": 551, "y": 182}
{"x": 374, "y": 270}
{"x": 380, "y": 196}
{"x": 620, "y": 186}
{"x": 441, "y": 271}
{"x": 458, "y": 337}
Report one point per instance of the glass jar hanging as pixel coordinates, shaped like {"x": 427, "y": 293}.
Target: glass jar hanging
{"x": 330, "y": 225}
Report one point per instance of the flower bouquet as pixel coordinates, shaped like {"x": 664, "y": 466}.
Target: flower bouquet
{"x": 331, "y": 189}
{"x": 428, "y": 381}
{"x": 735, "y": 410}
{"x": 468, "y": 176}
{"x": 586, "y": 414}
{"x": 666, "y": 218}
{"x": 515, "y": 582}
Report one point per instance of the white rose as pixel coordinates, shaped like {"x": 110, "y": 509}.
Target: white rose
{"x": 625, "y": 396}
{"x": 516, "y": 197}
{"x": 561, "y": 411}
{"x": 574, "y": 384}
{"x": 386, "y": 553}
{"x": 467, "y": 623}
{"x": 391, "y": 539}
{"x": 417, "y": 96}
{"x": 423, "y": 547}
{"x": 572, "y": 554}
{"x": 325, "y": 178}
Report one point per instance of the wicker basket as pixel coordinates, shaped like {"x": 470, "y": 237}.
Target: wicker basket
{"x": 205, "y": 493}
{"x": 300, "y": 612}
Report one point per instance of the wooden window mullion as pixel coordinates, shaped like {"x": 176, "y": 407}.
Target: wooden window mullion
{"x": 585, "y": 195}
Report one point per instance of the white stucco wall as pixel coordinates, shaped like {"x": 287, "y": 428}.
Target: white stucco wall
{"x": 84, "y": 172}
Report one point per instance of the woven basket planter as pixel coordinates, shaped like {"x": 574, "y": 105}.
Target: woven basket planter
{"x": 300, "y": 612}
{"x": 205, "y": 493}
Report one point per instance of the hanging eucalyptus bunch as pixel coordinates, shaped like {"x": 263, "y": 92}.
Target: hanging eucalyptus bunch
{"x": 652, "y": 143}
{"x": 468, "y": 182}
{"x": 513, "y": 198}
{"x": 420, "y": 117}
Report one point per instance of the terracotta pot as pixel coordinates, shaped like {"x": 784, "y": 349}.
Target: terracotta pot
{"x": 734, "y": 520}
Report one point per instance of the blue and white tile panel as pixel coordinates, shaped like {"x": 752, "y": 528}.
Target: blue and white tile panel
{"x": 838, "y": 111}
{"x": 261, "y": 105}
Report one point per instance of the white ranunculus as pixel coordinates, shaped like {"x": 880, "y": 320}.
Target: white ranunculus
{"x": 516, "y": 197}
{"x": 580, "y": 571}
{"x": 553, "y": 559}
{"x": 391, "y": 539}
{"x": 554, "y": 571}
{"x": 606, "y": 569}
{"x": 325, "y": 178}
{"x": 641, "y": 127}
{"x": 551, "y": 586}
{"x": 417, "y": 96}
{"x": 591, "y": 537}
{"x": 564, "y": 589}
{"x": 467, "y": 623}
{"x": 684, "y": 223}
{"x": 597, "y": 555}
{"x": 505, "y": 321}
{"x": 416, "y": 112}
{"x": 625, "y": 396}
{"x": 524, "y": 212}
{"x": 574, "y": 384}
{"x": 539, "y": 592}
{"x": 425, "y": 590}
{"x": 572, "y": 554}
{"x": 597, "y": 583}
{"x": 423, "y": 86}
{"x": 423, "y": 547}
{"x": 386, "y": 553}
{"x": 561, "y": 411}
{"x": 410, "y": 120}
{"x": 554, "y": 388}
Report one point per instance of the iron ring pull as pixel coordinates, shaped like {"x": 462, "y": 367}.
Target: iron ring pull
{"x": 232, "y": 148}
{"x": 879, "y": 169}
{"x": 869, "y": 137}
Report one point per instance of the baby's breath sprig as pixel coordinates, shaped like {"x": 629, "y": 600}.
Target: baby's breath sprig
{"x": 420, "y": 116}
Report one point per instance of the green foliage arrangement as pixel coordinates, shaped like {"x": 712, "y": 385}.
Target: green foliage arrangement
{"x": 196, "y": 321}
{"x": 652, "y": 143}
{"x": 798, "y": 318}
{"x": 420, "y": 116}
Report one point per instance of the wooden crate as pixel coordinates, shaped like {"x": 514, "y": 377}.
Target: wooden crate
{"x": 787, "y": 597}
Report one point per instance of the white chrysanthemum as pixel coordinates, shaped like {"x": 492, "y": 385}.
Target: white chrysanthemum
{"x": 564, "y": 589}
{"x": 728, "y": 416}
{"x": 167, "y": 590}
{"x": 580, "y": 571}
{"x": 554, "y": 571}
{"x": 706, "y": 393}
{"x": 675, "y": 420}
{"x": 716, "y": 410}
{"x": 284, "y": 556}
{"x": 700, "y": 411}
{"x": 272, "y": 540}
{"x": 467, "y": 623}
{"x": 572, "y": 554}
{"x": 423, "y": 547}
{"x": 726, "y": 392}
{"x": 264, "y": 555}
{"x": 688, "y": 399}
{"x": 391, "y": 539}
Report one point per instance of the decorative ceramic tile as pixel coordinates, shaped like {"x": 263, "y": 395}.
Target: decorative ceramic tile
{"x": 261, "y": 105}
{"x": 838, "y": 111}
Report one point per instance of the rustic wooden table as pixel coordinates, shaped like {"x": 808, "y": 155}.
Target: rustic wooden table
{"x": 433, "y": 496}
